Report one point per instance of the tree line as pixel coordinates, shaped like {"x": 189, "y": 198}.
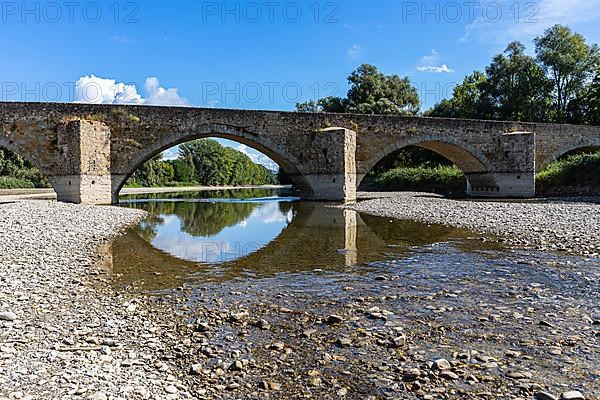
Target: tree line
{"x": 202, "y": 162}
{"x": 561, "y": 83}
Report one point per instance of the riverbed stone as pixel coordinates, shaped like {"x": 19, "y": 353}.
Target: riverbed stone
{"x": 8, "y": 316}
{"x": 572, "y": 395}
{"x": 441, "y": 364}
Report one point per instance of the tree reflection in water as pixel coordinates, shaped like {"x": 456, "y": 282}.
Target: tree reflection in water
{"x": 224, "y": 227}
{"x": 273, "y": 237}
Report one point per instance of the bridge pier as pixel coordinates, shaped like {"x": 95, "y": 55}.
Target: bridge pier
{"x": 336, "y": 187}
{"x": 516, "y": 185}
{"x": 332, "y": 177}
{"x": 518, "y": 148}
{"x": 86, "y": 178}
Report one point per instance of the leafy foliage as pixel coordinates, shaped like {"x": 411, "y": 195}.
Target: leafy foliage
{"x": 154, "y": 172}
{"x": 446, "y": 179}
{"x": 571, "y": 175}
{"x": 592, "y": 101}
{"x": 410, "y": 156}
{"x": 516, "y": 88}
{"x": 570, "y": 63}
{"x": 17, "y": 173}
{"x": 203, "y": 162}
{"x": 371, "y": 92}
{"x": 555, "y": 86}
{"x": 513, "y": 87}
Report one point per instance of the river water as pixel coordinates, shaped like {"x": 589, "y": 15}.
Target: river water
{"x": 451, "y": 293}
{"x": 195, "y": 238}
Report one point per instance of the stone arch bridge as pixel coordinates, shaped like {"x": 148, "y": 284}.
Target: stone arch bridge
{"x": 88, "y": 151}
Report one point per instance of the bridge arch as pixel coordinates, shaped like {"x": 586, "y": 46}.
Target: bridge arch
{"x": 587, "y": 143}
{"x": 287, "y": 162}
{"x": 34, "y": 161}
{"x": 15, "y": 148}
{"x": 476, "y": 167}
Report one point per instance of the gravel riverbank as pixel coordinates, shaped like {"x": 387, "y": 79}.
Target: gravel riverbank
{"x": 561, "y": 225}
{"x": 437, "y": 323}
{"x": 60, "y": 335}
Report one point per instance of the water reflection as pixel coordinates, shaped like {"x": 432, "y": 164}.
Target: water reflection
{"x": 189, "y": 238}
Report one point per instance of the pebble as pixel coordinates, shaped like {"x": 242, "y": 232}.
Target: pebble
{"x": 334, "y": 319}
{"x": 202, "y": 327}
{"x": 171, "y": 389}
{"x": 8, "y": 316}
{"x": 572, "y": 395}
{"x": 99, "y": 396}
{"x": 448, "y": 375}
{"x": 441, "y": 364}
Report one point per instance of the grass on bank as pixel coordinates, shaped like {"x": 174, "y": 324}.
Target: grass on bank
{"x": 440, "y": 179}
{"x": 575, "y": 174}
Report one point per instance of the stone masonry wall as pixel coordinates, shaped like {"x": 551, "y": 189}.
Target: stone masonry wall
{"x": 116, "y": 139}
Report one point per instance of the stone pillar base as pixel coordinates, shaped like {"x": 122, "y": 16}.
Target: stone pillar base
{"x": 517, "y": 185}
{"x": 336, "y": 187}
{"x": 83, "y": 189}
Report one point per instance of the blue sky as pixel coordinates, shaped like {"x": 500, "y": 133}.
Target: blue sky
{"x": 258, "y": 55}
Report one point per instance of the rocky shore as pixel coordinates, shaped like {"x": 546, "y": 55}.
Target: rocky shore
{"x": 440, "y": 322}
{"x": 63, "y": 332}
{"x": 436, "y": 325}
{"x": 555, "y": 225}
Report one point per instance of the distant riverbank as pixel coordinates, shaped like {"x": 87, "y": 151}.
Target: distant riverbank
{"x": 8, "y": 195}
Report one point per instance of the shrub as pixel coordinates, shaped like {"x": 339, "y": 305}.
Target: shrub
{"x": 446, "y": 179}
{"x": 10, "y": 182}
{"x": 574, "y": 174}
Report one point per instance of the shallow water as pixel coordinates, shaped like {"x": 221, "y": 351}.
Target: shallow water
{"x": 202, "y": 237}
{"x": 450, "y": 290}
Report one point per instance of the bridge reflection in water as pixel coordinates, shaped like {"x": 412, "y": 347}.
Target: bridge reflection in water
{"x": 188, "y": 242}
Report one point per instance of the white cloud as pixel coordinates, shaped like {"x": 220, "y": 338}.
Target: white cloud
{"x": 171, "y": 154}
{"x": 121, "y": 39}
{"x": 442, "y": 69}
{"x": 524, "y": 21}
{"x": 354, "y": 52}
{"x": 95, "y": 90}
{"x": 431, "y": 58}
{"x": 258, "y": 158}
{"x": 157, "y": 95}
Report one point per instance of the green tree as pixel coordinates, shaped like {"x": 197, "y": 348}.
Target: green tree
{"x": 371, "y": 92}
{"x": 593, "y": 101}
{"x": 154, "y": 172}
{"x": 216, "y": 165}
{"x": 16, "y": 172}
{"x": 468, "y": 100}
{"x": 515, "y": 87}
{"x": 569, "y": 62}
{"x": 184, "y": 170}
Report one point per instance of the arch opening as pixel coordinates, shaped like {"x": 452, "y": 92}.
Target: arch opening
{"x": 431, "y": 166}
{"x": 17, "y": 171}
{"x": 213, "y": 159}
{"x": 575, "y": 171}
